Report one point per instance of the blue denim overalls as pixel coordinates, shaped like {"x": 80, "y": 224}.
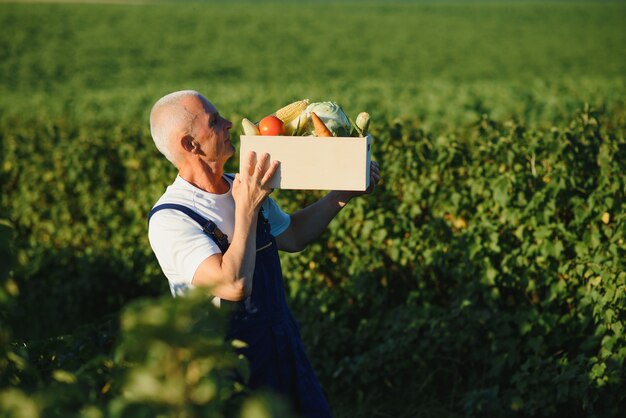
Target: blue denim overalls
{"x": 264, "y": 322}
{"x": 275, "y": 351}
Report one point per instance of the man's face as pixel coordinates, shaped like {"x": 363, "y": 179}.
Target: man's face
{"x": 210, "y": 130}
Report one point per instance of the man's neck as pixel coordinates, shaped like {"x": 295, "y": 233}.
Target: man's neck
{"x": 206, "y": 177}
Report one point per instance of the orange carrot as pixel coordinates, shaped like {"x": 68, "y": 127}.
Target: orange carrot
{"x": 320, "y": 128}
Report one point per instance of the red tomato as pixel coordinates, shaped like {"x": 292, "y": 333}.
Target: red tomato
{"x": 271, "y": 126}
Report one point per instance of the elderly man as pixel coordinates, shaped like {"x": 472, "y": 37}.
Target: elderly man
{"x": 215, "y": 230}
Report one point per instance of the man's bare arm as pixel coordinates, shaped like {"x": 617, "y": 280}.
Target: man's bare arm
{"x": 230, "y": 274}
{"x": 307, "y": 224}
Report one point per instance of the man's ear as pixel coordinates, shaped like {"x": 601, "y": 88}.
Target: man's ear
{"x": 188, "y": 143}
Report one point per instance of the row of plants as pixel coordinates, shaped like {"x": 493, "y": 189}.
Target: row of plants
{"x": 484, "y": 276}
{"x": 489, "y": 273}
{"x": 159, "y": 357}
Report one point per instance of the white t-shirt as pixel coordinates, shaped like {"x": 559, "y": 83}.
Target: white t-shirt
{"x": 178, "y": 241}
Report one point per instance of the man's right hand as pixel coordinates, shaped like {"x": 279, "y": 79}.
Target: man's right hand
{"x": 230, "y": 274}
{"x": 250, "y": 187}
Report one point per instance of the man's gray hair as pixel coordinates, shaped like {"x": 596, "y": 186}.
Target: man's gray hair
{"x": 167, "y": 117}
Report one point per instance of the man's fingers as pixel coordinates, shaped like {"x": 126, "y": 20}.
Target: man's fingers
{"x": 270, "y": 172}
{"x": 250, "y": 163}
{"x": 374, "y": 176}
{"x": 259, "y": 170}
{"x": 375, "y": 171}
{"x": 261, "y": 166}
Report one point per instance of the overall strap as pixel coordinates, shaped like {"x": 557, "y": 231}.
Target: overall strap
{"x": 208, "y": 227}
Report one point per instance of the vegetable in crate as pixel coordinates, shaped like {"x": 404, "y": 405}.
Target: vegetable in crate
{"x": 322, "y": 119}
{"x": 293, "y": 116}
{"x": 249, "y": 128}
{"x": 320, "y": 128}
{"x": 362, "y": 123}
{"x": 271, "y": 126}
{"x": 333, "y": 117}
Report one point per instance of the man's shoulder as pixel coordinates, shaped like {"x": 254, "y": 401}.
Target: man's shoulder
{"x": 162, "y": 211}
{"x": 179, "y": 199}
{"x": 176, "y": 193}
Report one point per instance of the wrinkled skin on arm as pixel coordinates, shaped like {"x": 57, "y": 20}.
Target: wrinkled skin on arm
{"x": 230, "y": 274}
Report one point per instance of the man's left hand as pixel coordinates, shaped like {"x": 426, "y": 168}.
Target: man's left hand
{"x": 374, "y": 179}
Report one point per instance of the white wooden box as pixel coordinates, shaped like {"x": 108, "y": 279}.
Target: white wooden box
{"x": 314, "y": 163}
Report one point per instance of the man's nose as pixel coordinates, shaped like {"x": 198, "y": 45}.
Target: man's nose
{"x": 229, "y": 124}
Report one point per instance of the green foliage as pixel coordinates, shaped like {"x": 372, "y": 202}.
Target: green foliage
{"x": 8, "y": 287}
{"x": 494, "y": 274}
{"x": 168, "y": 358}
{"x": 66, "y": 236}
{"x": 180, "y": 364}
{"x": 438, "y": 64}
{"x": 485, "y": 277}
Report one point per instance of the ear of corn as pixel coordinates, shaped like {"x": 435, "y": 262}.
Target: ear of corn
{"x": 297, "y": 125}
{"x": 291, "y": 111}
{"x": 362, "y": 123}
{"x": 249, "y": 128}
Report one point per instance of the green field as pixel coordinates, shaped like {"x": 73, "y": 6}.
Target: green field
{"x": 430, "y": 62}
{"x": 486, "y": 276}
